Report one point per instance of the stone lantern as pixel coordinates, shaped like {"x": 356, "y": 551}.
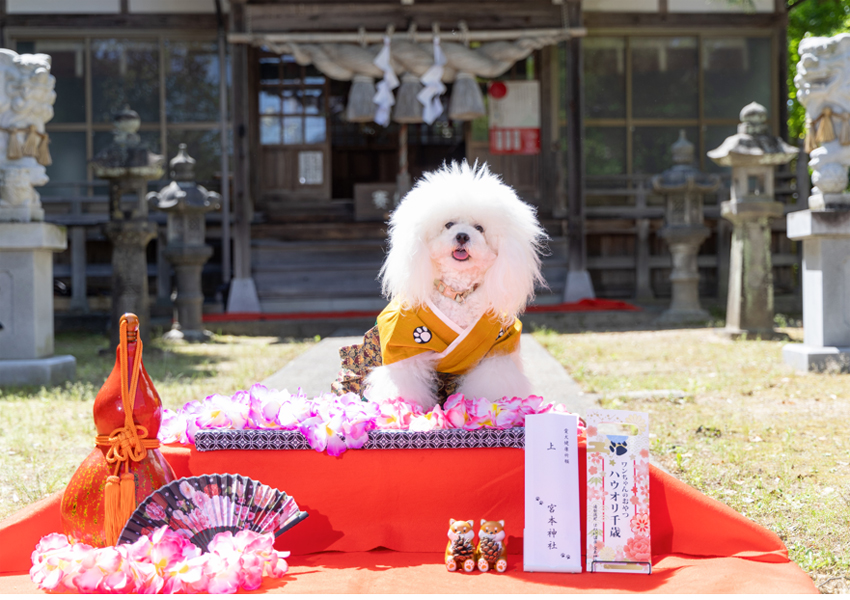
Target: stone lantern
{"x": 185, "y": 203}
{"x": 684, "y": 186}
{"x": 128, "y": 165}
{"x": 753, "y": 155}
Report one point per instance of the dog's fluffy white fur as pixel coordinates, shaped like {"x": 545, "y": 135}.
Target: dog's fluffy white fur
{"x": 463, "y": 226}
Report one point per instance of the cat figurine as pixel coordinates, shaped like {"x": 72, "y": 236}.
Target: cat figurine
{"x": 492, "y": 551}
{"x": 460, "y": 551}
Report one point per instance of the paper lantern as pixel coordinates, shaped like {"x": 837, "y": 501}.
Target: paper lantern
{"x": 408, "y": 108}
{"x": 467, "y": 102}
{"x": 361, "y": 108}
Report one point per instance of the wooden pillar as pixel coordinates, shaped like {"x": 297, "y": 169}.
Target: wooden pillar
{"x": 79, "y": 287}
{"x": 79, "y": 283}
{"x": 163, "y": 270}
{"x": 549, "y": 138}
{"x": 578, "y": 284}
{"x": 243, "y": 292}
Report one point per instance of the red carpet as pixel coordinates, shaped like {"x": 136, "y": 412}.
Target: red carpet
{"x": 588, "y": 304}
{"x": 401, "y": 501}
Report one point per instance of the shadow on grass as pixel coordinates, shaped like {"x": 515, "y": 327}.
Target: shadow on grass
{"x": 94, "y": 366}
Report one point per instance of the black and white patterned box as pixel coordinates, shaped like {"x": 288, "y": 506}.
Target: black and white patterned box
{"x": 385, "y": 439}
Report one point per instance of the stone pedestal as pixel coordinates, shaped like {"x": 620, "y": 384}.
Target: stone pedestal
{"x": 749, "y": 309}
{"x": 579, "y": 286}
{"x": 26, "y": 305}
{"x": 242, "y": 297}
{"x": 684, "y": 242}
{"x": 826, "y": 290}
{"x": 130, "y": 273}
{"x": 188, "y": 261}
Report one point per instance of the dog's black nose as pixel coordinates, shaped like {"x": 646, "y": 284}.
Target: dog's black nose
{"x": 462, "y": 238}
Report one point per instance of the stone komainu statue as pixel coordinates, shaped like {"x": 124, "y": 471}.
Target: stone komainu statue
{"x": 26, "y": 104}
{"x": 823, "y": 88}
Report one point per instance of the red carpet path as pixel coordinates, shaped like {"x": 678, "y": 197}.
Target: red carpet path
{"x": 378, "y": 521}
{"x": 586, "y": 305}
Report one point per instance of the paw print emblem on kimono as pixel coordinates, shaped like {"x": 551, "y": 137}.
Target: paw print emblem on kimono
{"x": 421, "y": 335}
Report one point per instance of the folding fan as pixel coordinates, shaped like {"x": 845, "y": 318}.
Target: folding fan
{"x": 200, "y": 507}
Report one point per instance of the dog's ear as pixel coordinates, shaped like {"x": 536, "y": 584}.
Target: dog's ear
{"x": 509, "y": 283}
{"x": 407, "y": 274}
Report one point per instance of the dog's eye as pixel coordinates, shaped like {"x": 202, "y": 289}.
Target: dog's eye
{"x": 479, "y": 228}
{"x": 449, "y": 225}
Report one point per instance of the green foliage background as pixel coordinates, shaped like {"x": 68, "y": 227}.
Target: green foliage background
{"x": 810, "y": 18}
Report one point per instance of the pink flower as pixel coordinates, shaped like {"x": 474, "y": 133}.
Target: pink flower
{"x": 640, "y": 522}
{"x": 222, "y": 573}
{"x": 591, "y": 431}
{"x": 166, "y": 562}
{"x": 294, "y": 410}
{"x": 481, "y": 414}
{"x": 186, "y": 576}
{"x": 339, "y": 423}
{"x": 642, "y": 470}
{"x": 535, "y": 405}
{"x": 186, "y": 489}
{"x": 53, "y": 562}
{"x": 456, "y": 410}
{"x": 146, "y": 578}
{"x": 264, "y": 407}
{"x": 173, "y": 429}
{"x": 221, "y": 412}
{"x": 594, "y": 493}
{"x": 155, "y": 511}
{"x": 638, "y": 548}
{"x": 169, "y": 548}
{"x": 396, "y": 414}
{"x": 436, "y": 419}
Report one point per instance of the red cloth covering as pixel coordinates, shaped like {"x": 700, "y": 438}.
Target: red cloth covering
{"x": 401, "y": 501}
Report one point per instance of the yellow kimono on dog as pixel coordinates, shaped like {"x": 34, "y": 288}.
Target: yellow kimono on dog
{"x": 404, "y": 334}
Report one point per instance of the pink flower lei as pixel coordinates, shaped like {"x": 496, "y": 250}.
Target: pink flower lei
{"x": 165, "y": 562}
{"x": 338, "y": 423}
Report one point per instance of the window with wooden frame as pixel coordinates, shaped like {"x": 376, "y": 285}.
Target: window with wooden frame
{"x": 641, "y": 90}
{"x": 293, "y": 130}
{"x": 171, "y": 80}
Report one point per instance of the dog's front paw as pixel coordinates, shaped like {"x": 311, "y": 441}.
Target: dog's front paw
{"x": 421, "y": 335}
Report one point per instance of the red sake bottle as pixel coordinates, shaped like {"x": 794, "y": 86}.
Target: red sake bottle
{"x": 126, "y": 465}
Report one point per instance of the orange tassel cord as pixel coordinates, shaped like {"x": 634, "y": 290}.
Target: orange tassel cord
{"x": 126, "y": 465}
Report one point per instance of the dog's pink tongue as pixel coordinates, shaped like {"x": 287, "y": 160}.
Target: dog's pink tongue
{"x": 460, "y": 254}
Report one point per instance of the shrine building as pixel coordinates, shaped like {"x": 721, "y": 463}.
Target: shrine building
{"x": 575, "y": 103}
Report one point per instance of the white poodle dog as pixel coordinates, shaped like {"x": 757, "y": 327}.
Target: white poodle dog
{"x": 462, "y": 264}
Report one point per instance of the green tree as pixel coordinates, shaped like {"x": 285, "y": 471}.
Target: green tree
{"x": 809, "y": 18}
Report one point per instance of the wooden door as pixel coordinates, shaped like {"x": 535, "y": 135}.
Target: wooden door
{"x": 294, "y": 133}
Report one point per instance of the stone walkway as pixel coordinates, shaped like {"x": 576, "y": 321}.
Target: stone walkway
{"x": 314, "y": 371}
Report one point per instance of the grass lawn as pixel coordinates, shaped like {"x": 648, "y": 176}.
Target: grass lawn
{"x": 751, "y": 432}
{"x": 46, "y": 433}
